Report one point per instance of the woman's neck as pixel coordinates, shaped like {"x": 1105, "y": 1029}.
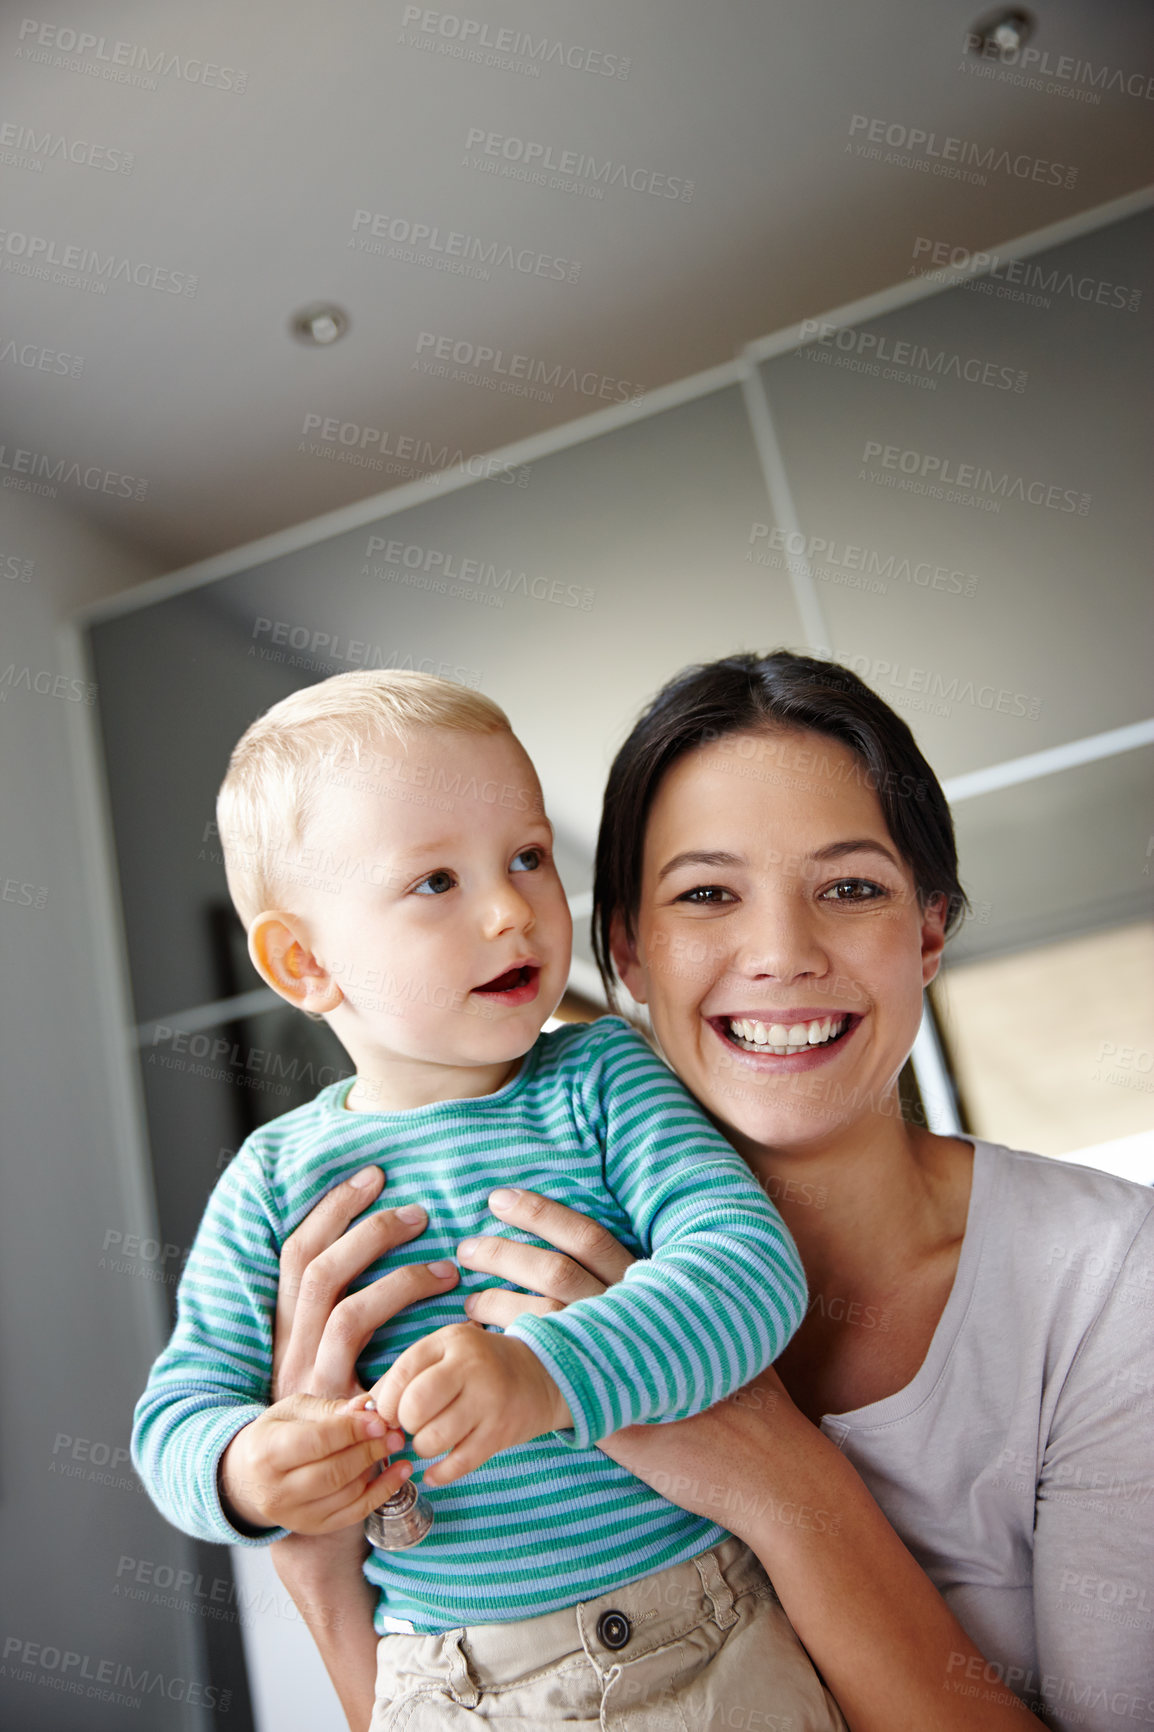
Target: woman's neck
{"x": 879, "y": 1215}
{"x": 868, "y": 1202}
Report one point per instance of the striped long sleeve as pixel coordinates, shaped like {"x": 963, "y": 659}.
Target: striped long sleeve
{"x": 214, "y": 1376}
{"x": 721, "y": 1288}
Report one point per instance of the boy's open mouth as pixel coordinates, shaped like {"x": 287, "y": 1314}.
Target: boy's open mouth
{"x": 514, "y": 980}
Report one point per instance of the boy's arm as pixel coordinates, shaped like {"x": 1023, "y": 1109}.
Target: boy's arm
{"x": 721, "y": 1288}
{"x": 213, "y": 1377}
{"x": 218, "y": 1461}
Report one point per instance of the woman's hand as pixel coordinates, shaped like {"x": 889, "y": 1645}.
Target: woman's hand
{"x": 587, "y": 1259}
{"x": 320, "y": 1331}
{"x": 318, "y": 1334}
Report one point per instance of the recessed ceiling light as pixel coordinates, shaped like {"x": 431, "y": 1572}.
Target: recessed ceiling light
{"x": 1001, "y": 35}
{"x": 319, "y": 324}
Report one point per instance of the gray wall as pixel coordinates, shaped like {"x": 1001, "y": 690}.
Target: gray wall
{"x": 77, "y": 1330}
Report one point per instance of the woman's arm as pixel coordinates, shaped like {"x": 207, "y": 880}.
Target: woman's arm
{"x": 319, "y": 1335}
{"x": 324, "y": 1580}
{"x": 882, "y": 1637}
{"x": 884, "y": 1640}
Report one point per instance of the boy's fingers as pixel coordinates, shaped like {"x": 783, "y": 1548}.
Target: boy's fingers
{"x": 547, "y": 1273}
{"x": 387, "y": 1392}
{"x": 354, "y": 1503}
{"x": 301, "y": 1409}
{"x": 318, "y": 1481}
{"x": 394, "y": 1438}
{"x": 361, "y": 1496}
{"x": 349, "y": 1326}
{"x": 432, "y": 1406}
{"x": 306, "y": 1498}
{"x": 468, "y": 1453}
{"x": 305, "y": 1436}
{"x": 378, "y": 1492}
{"x": 498, "y": 1305}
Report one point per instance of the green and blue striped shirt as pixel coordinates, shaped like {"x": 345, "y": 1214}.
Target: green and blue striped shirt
{"x": 593, "y": 1119}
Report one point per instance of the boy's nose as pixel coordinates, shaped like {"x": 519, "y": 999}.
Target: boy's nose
{"x": 508, "y": 912}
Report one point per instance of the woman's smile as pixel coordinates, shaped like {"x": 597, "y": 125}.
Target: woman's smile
{"x": 786, "y": 1040}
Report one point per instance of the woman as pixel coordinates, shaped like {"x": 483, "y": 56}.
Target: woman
{"x": 776, "y": 878}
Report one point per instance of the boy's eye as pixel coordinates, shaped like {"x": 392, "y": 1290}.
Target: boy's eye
{"x": 853, "y": 890}
{"x": 528, "y": 860}
{"x": 435, "y": 884}
{"x": 706, "y": 894}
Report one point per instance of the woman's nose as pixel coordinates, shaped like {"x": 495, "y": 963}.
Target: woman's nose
{"x": 778, "y": 942}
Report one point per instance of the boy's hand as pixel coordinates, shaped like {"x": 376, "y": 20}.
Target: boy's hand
{"x": 310, "y": 1466}
{"x": 471, "y": 1393}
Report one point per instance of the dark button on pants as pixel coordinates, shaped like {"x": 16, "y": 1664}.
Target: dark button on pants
{"x": 614, "y": 1629}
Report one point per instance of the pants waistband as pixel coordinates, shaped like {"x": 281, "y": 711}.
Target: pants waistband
{"x": 625, "y": 1623}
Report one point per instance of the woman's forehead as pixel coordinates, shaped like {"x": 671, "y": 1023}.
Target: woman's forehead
{"x": 746, "y": 789}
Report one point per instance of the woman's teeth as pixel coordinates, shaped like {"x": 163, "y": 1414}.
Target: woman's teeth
{"x": 781, "y": 1038}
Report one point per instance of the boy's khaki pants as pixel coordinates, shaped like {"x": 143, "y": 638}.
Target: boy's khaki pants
{"x": 703, "y": 1645}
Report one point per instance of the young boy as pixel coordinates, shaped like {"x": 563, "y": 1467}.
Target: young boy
{"x": 416, "y": 908}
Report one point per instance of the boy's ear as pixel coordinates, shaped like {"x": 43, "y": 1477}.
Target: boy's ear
{"x": 279, "y": 947}
{"x": 626, "y": 961}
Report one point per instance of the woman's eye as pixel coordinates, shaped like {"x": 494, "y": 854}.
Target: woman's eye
{"x": 853, "y": 890}
{"x": 435, "y": 884}
{"x": 528, "y": 860}
{"x": 704, "y": 894}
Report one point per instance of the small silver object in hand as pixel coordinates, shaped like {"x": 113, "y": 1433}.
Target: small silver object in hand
{"x": 400, "y": 1522}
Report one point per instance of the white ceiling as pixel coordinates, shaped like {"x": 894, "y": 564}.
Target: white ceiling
{"x": 254, "y": 193}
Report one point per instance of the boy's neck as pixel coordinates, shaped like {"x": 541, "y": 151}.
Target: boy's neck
{"x": 399, "y": 1085}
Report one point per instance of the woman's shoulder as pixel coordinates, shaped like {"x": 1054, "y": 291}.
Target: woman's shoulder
{"x": 1057, "y": 1240}
{"x": 1084, "y": 1200}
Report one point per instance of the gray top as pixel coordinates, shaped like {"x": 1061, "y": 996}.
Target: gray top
{"x": 1018, "y": 1465}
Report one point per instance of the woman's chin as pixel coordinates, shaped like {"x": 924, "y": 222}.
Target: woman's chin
{"x": 785, "y": 1127}
{"x": 781, "y": 1111}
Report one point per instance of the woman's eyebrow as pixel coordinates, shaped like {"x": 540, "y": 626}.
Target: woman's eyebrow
{"x": 860, "y": 845}
{"x": 832, "y": 851}
{"x": 699, "y": 857}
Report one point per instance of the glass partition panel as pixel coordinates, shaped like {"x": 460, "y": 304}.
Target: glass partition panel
{"x": 1046, "y": 999}
{"x": 981, "y": 559}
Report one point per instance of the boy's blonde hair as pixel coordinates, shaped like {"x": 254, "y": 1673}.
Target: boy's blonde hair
{"x": 270, "y": 791}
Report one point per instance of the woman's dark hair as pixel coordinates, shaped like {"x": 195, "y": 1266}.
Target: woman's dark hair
{"x": 750, "y": 694}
